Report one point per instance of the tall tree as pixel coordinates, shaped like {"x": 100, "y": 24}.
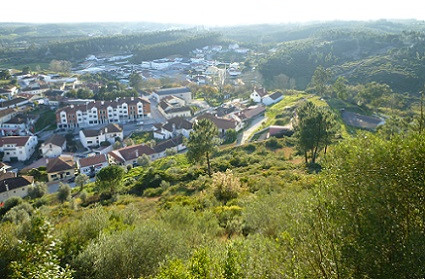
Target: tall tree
{"x": 320, "y": 80}
{"x": 315, "y": 129}
{"x": 81, "y": 180}
{"x": 202, "y": 142}
{"x": 110, "y": 178}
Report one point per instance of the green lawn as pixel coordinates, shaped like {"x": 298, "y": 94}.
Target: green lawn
{"x": 142, "y": 137}
{"x": 47, "y": 119}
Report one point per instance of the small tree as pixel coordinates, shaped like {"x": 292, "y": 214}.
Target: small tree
{"x": 110, "y": 178}
{"x": 170, "y": 152}
{"x": 230, "y": 136}
{"x": 38, "y": 190}
{"x": 143, "y": 160}
{"x": 202, "y": 142}
{"x": 64, "y": 192}
{"x": 81, "y": 180}
{"x": 320, "y": 79}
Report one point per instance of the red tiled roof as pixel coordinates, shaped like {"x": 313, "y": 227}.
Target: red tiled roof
{"x": 18, "y": 140}
{"x": 93, "y": 160}
{"x": 131, "y": 152}
{"x": 221, "y": 123}
{"x": 57, "y": 140}
{"x": 60, "y": 163}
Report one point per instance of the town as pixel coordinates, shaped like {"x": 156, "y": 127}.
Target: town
{"x": 52, "y": 132}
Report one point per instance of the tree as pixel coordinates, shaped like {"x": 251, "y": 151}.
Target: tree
{"x": 110, "y": 178}
{"x": 170, "y": 151}
{"x": 136, "y": 81}
{"x": 128, "y": 142}
{"x": 38, "y": 190}
{"x": 5, "y": 75}
{"x": 64, "y": 192}
{"x": 202, "y": 142}
{"x": 315, "y": 129}
{"x": 370, "y": 202}
{"x": 340, "y": 89}
{"x": 143, "y": 160}
{"x": 230, "y": 136}
{"x": 320, "y": 79}
{"x": 60, "y": 66}
{"x": 81, "y": 180}
{"x": 26, "y": 70}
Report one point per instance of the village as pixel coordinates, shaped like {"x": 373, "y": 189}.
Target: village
{"x": 82, "y": 136}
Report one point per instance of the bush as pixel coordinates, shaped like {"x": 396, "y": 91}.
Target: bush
{"x": 9, "y": 204}
{"x": 273, "y": 143}
{"x": 19, "y": 214}
{"x": 152, "y": 192}
{"x": 226, "y": 186}
{"x": 38, "y": 190}
{"x": 64, "y": 192}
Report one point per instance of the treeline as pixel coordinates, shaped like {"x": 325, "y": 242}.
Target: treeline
{"x": 393, "y": 59}
{"x": 182, "y": 46}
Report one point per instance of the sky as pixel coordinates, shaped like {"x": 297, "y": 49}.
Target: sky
{"x": 210, "y": 13}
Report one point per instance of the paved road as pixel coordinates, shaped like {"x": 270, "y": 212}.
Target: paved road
{"x": 254, "y": 125}
{"x": 54, "y": 186}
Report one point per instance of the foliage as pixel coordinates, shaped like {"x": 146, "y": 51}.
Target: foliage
{"x": 202, "y": 142}
{"x": 315, "y": 129}
{"x": 64, "y": 192}
{"x": 143, "y": 160}
{"x": 81, "y": 180}
{"x": 226, "y": 186}
{"x": 38, "y": 190}
{"x": 230, "y": 136}
{"x": 109, "y": 179}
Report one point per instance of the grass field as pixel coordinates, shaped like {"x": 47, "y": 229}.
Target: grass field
{"x": 47, "y": 119}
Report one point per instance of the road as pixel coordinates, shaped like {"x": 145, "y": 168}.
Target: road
{"x": 54, "y": 186}
{"x": 248, "y": 131}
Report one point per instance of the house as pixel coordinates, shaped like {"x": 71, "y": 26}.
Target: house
{"x": 6, "y": 171}
{"x": 7, "y": 114}
{"x": 173, "y": 127}
{"x": 18, "y": 148}
{"x": 172, "y": 106}
{"x": 60, "y": 168}
{"x": 15, "y": 187}
{"x": 93, "y": 138}
{"x": 272, "y": 98}
{"x": 275, "y": 131}
{"x": 53, "y": 146}
{"x": 175, "y": 144}
{"x": 14, "y": 103}
{"x": 128, "y": 155}
{"x": 251, "y": 112}
{"x": 180, "y": 92}
{"x": 258, "y": 94}
{"x": 8, "y": 92}
{"x": 223, "y": 124}
{"x": 92, "y": 113}
{"x": 16, "y": 126}
{"x": 93, "y": 164}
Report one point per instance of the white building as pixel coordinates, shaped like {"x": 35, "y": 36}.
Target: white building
{"x": 173, "y": 128}
{"x": 261, "y": 96}
{"x": 93, "y": 138}
{"x": 15, "y": 187}
{"x": 53, "y": 147}
{"x": 121, "y": 110}
{"x": 17, "y": 147}
{"x": 180, "y": 92}
{"x": 93, "y": 164}
{"x": 172, "y": 106}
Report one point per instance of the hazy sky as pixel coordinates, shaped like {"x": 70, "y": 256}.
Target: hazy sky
{"x": 213, "y": 12}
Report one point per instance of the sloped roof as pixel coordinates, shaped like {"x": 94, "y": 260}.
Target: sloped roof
{"x": 93, "y": 160}
{"x": 15, "y": 182}
{"x": 276, "y": 95}
{"x": 178, "y": 123}
{"x": 12, "y": 102}
{"x": 171, "y": 91}
{"x": 131, "y": 152}
{"x": 261, "y": 91}
{"x": 251, "y": 112}
{"x": 18, "y": 140}
{"x": 173, "y": 142}
{"x": 221, "y": 123}
{"x": 60, "y": 163}
{"x": 56, "y": 139}
{"x": 110, "y": 128}
{"x": 7, "y": 111}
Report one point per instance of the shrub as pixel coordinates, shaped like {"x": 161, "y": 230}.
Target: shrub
{"x": 9, "y": 204}
{"x": 64, "y": 192}
{"x": 38, "y": 190}
{"x": 226, "y": 186}
{"x": 273, "y": 143}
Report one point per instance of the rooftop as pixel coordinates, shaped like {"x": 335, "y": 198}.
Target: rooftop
{"x": 170, "y": 91}
{"x": 93, "y": 160}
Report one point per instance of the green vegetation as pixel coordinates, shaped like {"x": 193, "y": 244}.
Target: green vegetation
{"x": 47, "y": 119}
{"x": 142, "y": 137}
